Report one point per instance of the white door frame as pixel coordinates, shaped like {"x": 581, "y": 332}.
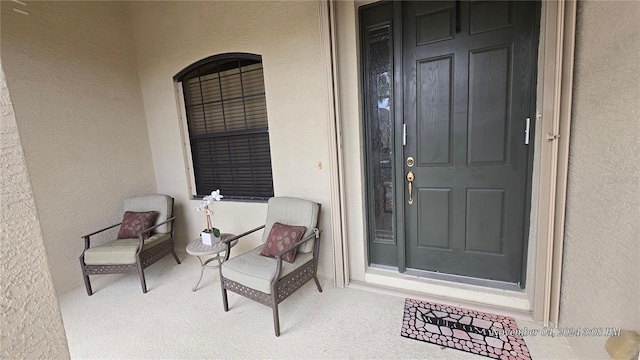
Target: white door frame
{"x": 557, "y": 83}
{"x": 326, "y": 16}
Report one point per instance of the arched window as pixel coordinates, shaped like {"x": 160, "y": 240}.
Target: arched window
{"x": 226, "y": 112}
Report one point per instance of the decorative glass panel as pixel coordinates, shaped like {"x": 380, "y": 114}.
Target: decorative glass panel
{"x": 380, "y": 130}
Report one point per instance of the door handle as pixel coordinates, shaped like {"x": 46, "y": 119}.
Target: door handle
{"x": 410, "y": 178}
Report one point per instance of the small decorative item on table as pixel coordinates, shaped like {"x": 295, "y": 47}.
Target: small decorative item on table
{"x": 210, "y": 235}
{"x": 210, "y": 238}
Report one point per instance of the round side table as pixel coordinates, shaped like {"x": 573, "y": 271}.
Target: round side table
{"x": 199, "y": 250}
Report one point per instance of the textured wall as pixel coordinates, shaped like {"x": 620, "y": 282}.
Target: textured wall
{"x": 601, "y": 270}
{"x": 71, "y": 69}
{"x": 172, "y": 35}
{"x": 31, "y": 321}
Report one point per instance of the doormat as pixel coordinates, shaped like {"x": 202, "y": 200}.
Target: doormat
{"x": 486, "y": 334}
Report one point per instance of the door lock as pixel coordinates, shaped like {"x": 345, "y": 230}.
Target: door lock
{"x": 410, "y": 178}
{"x": 410, "y": 161}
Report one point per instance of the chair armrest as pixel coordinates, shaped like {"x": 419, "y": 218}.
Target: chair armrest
{"x": 86, "y": 237}
{"x": 99, "y": 231}
{"x": 158, "y": 225}
{"x": 235, "y": 238}
{"x": 148, "y": 231}
{"x": 314, "y": 235}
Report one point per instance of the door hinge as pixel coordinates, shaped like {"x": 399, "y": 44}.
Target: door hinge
{"x": 526, "y": 131}
{"x": 404, "y": 134}
{"x": 551, "y": 137}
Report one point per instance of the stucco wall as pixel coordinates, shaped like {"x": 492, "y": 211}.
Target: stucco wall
{"x": 601, "y": 269}
{"x": 31, "y": 320}
{"x": 72, "y": 73}
{"x": 170, "y": 36}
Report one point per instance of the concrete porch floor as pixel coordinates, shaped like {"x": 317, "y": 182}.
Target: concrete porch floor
{"x": 172, "y": 322}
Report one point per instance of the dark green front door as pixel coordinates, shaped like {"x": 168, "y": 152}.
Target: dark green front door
{"x": 467, "y": 96}
{"x": 467, "y": 79}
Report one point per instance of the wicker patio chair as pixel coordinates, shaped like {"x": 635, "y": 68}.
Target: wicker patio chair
{"x": 132, "y": 255}
{"x": 268, "y": 280}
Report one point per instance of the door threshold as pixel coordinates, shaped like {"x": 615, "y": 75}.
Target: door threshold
{"x": 464, "y": 280}
{"x": 515, "y": 302}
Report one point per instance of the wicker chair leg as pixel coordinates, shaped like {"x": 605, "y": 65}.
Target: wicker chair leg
{"x": 276, "y": 319}
{"x": 315, "y": 277}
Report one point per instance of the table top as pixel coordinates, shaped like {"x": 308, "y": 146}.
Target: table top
{"x": 196, "y": 247}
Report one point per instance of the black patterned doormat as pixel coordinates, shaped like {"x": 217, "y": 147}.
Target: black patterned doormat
{"x": 486, "y": 334}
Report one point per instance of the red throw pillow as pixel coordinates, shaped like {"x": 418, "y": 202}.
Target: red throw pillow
{"x": 133, "y": 223}
{"x": 281, "y": 237}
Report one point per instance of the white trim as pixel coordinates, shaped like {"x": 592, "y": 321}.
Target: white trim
{"x": 326, "y": 17}
{"x": 566, "y": 94}
{"x": 336, "y": 104}
{"x": 556, "y": 104}
{"x": 184, "y": 139}
{"x": 549, "y": 154}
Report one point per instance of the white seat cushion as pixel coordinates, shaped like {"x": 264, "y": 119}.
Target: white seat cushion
{"x": 256, "y": 271}
{"x": 120, "y": 251}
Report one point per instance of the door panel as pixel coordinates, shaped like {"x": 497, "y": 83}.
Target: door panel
{"x": 434, "y": 95}
{"x": 485, "y": 220}
{"x": 490, "y": 15}
{"x": 466, "y": 96}
{"x": 435, "y": 26}
{"x": 489, "y": 80}
{"x": 435, "y": 207}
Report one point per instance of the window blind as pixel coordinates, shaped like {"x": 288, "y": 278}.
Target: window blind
{"x": 228, "y": 129}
